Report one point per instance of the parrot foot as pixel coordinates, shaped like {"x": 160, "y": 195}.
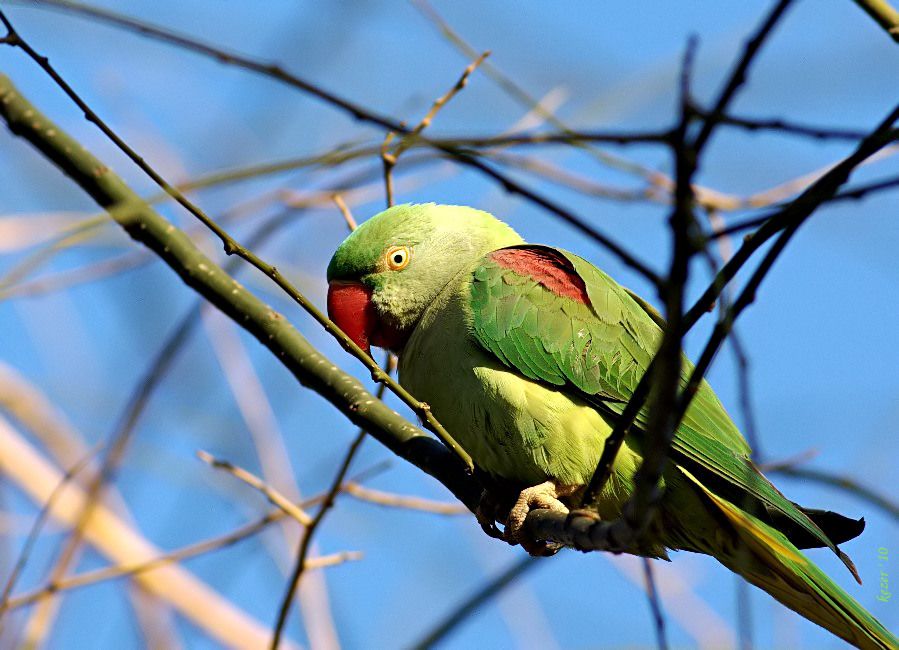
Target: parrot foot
{"x": 546, "y": 497}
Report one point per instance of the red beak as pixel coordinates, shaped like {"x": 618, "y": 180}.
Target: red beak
{"x": 351, "y": 309}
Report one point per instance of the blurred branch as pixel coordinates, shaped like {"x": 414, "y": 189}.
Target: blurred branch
{"x": 280, "y": 482}
{"x": 882, "y": 12}
{"x": 135, "y": 569}
{"x": 402, "y": 501}
{"x": 37, "y": 526}
{"x": 306, "y": 541}
{"x": 655, "y": 604}
{"x": 348, "y": 184}
{"x": 841, "y": 482}
{"x": 217, "y": 617}
{"x": 192, "y": 550}
{"x": 471, "y": 604}
{"x": 34, "y": 411}
{"x": 524, "y": 98}
{"x": 275, "y": 498}
{"x": 345, "y": 211}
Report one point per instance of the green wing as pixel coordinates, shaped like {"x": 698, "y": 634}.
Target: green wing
{"x": 535, "y": 322}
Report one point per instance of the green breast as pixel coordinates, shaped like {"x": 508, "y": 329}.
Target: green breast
{"x": 514, "y": 428}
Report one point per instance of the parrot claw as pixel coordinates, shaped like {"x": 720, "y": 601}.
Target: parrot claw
{"x": 486, "y": 515}
{"x": 544, "y": 496}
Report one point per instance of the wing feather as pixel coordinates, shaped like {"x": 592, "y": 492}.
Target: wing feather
{"x": 599, "y": 348}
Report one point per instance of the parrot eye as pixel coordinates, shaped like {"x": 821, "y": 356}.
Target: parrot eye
{"x": 398, "y": 257}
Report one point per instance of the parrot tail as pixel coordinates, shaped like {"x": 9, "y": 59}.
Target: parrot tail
{"x": 767, "y": 559}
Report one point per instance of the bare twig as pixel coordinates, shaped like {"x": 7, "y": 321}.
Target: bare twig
{"x": 345, "y": 212}
{"x": 737, "y": 76}
{"x": 389, "y": 499}
{"x": 37, "y": 526}
{"x": 275, "y": 498}
{"x": 389, "y": 158}
{"x": 111, "y": 536}
{"x": 388, "y": 161}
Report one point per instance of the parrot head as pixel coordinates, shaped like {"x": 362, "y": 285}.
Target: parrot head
{"x": 387, "y": 272}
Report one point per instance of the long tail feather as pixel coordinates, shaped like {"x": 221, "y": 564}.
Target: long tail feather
{"x": 767, "y": 559}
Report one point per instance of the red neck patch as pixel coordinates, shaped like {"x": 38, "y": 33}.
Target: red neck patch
{"x": 548, "y": 267}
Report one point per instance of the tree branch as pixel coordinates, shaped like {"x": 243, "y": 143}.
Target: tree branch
{"x": 882, "y": 12}
{"x": 309, "y": 367}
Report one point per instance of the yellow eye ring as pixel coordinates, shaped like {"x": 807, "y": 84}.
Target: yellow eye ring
{"x": 398, "y": 257}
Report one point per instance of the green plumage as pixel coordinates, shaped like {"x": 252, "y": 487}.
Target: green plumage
{"x": 529, "y": 380}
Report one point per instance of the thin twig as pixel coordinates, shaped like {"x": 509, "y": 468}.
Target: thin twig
{"x": 737, "y": 77}
{"x": 275, "y": 498}
{"x": 390, "y": 158}
{"x": 345, "y": 211}
{"x": 381, "y": 498}
{"x": 306, "y": 541}
{"x": 388, "y": 161}
{"x": 37, "y": 525}
{"x": 111, "y": 536}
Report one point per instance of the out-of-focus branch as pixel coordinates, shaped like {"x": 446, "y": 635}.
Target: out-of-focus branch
{"x": 184, "y": 553}
{"x": 34, "y": 412}
{"x": 841, "y": 482}
{"x": 655, "y": 604}
{"x": 275, "y": 498}
{"x": 278, "y": 481}
{"x": 111, "y": 536}
{"x": 389, "y": 499}
{"x": 473, "y": 602}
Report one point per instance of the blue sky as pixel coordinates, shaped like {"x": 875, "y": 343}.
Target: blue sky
{"x": 822, "y": 337}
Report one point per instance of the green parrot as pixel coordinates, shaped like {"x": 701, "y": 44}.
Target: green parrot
{"x": 527, "y": 354}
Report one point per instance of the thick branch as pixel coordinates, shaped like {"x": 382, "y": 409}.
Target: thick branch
{"x": 885, "y": 15}
{"x": 310, "y": 367}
